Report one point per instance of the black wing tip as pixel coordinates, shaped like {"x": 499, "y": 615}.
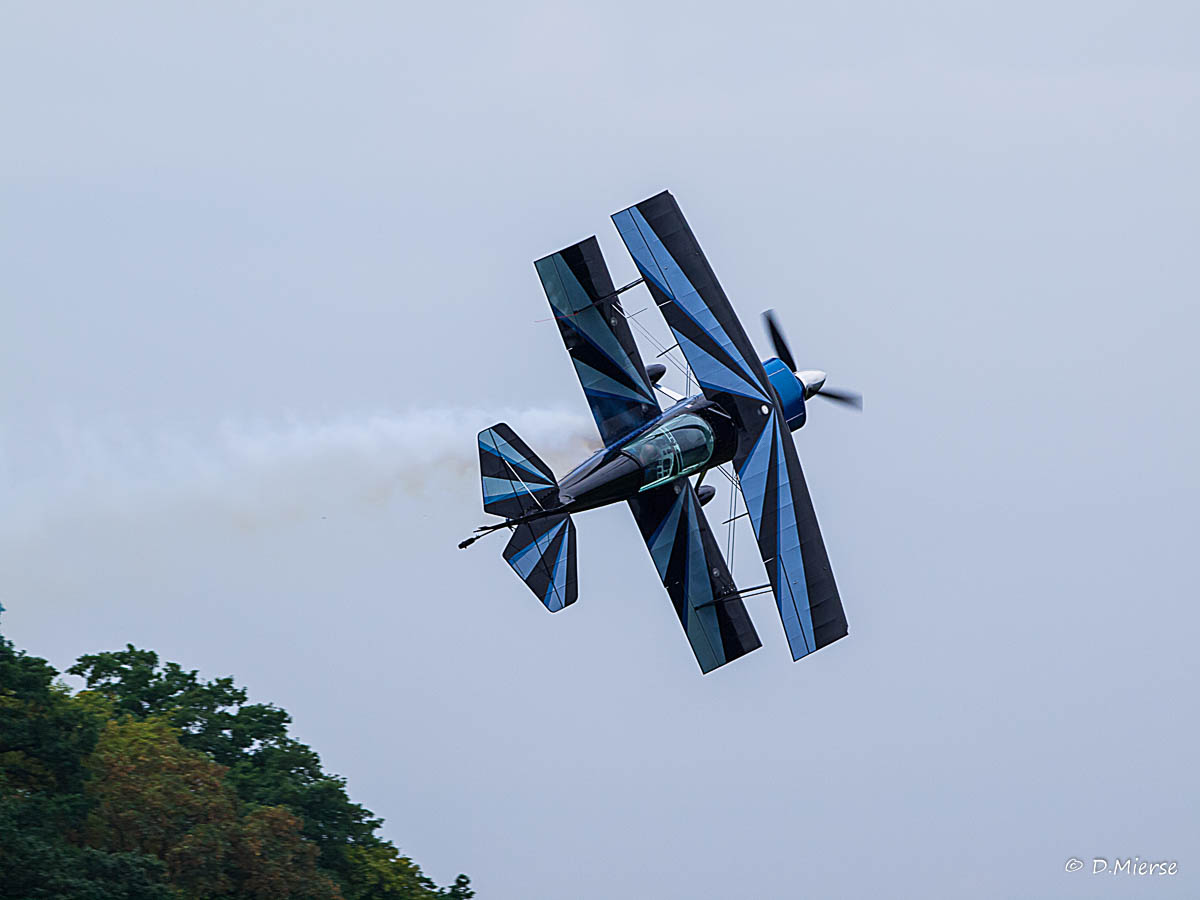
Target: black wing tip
{"x": 664, "y": 195}
{"x": 822, "y": 642}
{"x": 578, "y": 245}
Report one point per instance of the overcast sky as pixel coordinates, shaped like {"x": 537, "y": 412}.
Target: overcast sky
{"x": 265, "y": 270}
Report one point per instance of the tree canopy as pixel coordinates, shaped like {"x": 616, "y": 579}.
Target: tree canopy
{"x": 152, "y": 783}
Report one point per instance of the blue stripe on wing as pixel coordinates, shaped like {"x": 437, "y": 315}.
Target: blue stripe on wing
{"x": 713, "y": 374}
{"x": 663, "y": 540}
{"x": 770, "y": 504}
{"x": 657, "y": 265}
{"x": 791, "y": 588}
{"x": 573, "y": 307}
{"x": 703, "y": 630}
{"x": 598, "y": 383}
{"x": 593, "y": 327}
{"x": 694, "y": 573}
{"x": 754, "y": 471}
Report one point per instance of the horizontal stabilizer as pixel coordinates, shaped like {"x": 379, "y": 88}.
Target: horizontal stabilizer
{"x": 542, "y": 552}
{"x": 515, "y": 481}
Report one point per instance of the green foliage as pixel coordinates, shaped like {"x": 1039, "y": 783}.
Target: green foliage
{"x": 152, "y": 795}
{"x": 383, "y": 874}
{"x": 274, "y": 859}
{"x": 267, "y": 766}
{"x": 148, "y": 791}
{"x": 213, "y": 716}
{"x": 36, "y": 863}
{"x": 153, "y": 783}
{"x": 43, "y": 735}
{"x": 45, "y": 740}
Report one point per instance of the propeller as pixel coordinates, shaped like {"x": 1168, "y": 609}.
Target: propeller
{"x": 850, "y": 398}
{"x": 778, "y": 341}
{"x": 814, "y": 386}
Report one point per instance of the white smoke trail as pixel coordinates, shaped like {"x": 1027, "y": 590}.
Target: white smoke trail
{"x": 255, "y": 477}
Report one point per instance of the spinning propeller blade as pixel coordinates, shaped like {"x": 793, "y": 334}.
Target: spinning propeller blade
{"x": 778, "y": 341}
{"x": 784, "y": 352}
{"x": 850, "y": 398}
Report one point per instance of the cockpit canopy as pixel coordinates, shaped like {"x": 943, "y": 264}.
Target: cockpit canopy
{"x": 678, "y": 447}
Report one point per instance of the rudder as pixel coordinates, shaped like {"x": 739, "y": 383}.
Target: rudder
{"x": 515, "y": 481}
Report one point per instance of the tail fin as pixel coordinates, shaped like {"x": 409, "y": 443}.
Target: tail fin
{"x": 515, "y": 481}
{"x": 542, "y": 552}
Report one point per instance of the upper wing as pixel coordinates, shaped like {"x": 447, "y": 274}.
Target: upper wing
{"x": 723, "y": 359}
{"x": 694, "y": 573}
{"x": 691, "y": 300}
{"x": 593, "y": 327}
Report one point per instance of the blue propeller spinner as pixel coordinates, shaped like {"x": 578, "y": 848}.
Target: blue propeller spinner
{"x": 795, "y": 387}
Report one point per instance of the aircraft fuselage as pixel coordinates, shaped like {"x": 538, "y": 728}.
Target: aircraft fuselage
{"x": 693, "y": 435}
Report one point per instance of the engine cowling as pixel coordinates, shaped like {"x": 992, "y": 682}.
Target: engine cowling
{"x": 790, "y": 390}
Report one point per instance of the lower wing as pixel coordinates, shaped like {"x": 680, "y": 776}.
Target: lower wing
{"x": 789, "y": 538}
{"x": 695, "y": 574}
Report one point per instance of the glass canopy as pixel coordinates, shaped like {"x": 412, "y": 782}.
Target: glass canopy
{"x": 677, "y": 448}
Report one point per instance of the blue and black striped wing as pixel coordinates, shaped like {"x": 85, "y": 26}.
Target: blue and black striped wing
{"x": 691, "y": 300}
{"x": 789, "y": 538}
{"x": 723, "y": 359}
{"x": 542, "y": 552}
{"x": 515, "y": 481}
{"x": 695, "y": 574}
{"x": 593, "y": 327}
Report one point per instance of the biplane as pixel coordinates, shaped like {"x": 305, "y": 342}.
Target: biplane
{"x": 744, "y": 415}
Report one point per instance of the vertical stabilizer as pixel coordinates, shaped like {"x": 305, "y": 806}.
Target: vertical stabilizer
{"x": 515, "y": 482}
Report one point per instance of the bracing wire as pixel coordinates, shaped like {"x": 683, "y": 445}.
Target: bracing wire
{"x": 654, "y": 342}
{"x": 729, "y": 532}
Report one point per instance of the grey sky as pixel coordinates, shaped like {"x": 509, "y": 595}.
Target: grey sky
{"x": 260, "y": 268}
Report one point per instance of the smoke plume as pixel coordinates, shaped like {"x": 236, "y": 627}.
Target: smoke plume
{"x": 254, "y": 476}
